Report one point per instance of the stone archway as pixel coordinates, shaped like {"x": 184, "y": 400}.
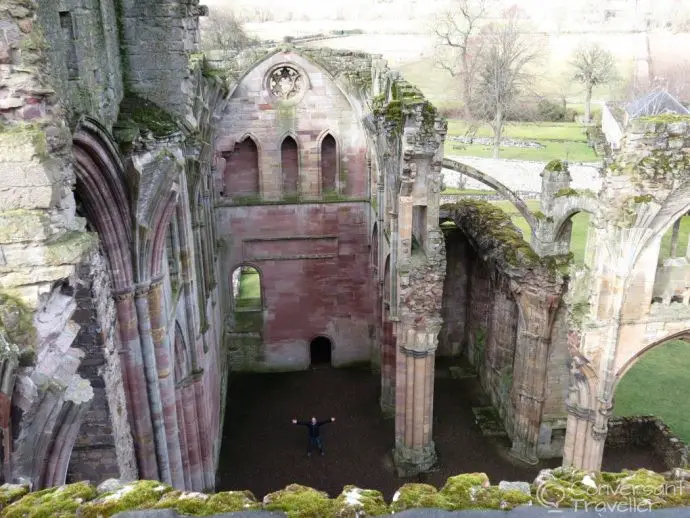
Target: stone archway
{"x": 321, "y": 352}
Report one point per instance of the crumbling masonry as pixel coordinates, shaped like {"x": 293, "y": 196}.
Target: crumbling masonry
{"x": 138, "y": 176}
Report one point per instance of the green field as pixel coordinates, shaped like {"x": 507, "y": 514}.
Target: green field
{"x": 571, "y": 151}
{"x": 250, "y": 290}
{"x": 658, "y": 385}
{"x": 524, "y": 130}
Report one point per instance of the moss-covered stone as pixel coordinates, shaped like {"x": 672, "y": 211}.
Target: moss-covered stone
{"x": 300, "y": 502}
{"x": 416, "y": 496}
{"x": 555, "y": 166}
{"x": 21, "y": 225}
{"x": 70, "y": 247}
{"x": 16, "y": 319}
{"x": 354, "y": 502}
{"x": 142, "y": 494}
{"x": 232, "y": 501}
{"x": 566, "y": 192}
{"x": 55, "y": 502}
{"x": 146, "y": 115}
{"x": 11, "y": 493}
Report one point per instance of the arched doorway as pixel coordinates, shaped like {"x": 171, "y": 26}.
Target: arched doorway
{"x": 320, "y": 350}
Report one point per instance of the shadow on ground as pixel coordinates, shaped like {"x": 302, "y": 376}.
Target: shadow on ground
{"x": 262, "y": 451}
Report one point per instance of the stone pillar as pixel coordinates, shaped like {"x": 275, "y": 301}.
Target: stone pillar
{"x": 388, "y": 367}
{"x": 184, "y": 444}
{"x": 151, "y": 375}
{"x": 161, "y": 345}
{"x": 414, "y": 448}
{"x": 530, "y": 367}
{"x": 674, "y": 239}
{"x": 192, "y": 434}
{"x": 135, "y": 381}
{"x": 205, "y": 433}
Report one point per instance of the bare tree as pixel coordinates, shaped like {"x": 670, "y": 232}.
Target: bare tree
{"x": 224, "y": 31}
{"x": 459, "y": 46}
{"x": 503, "y": 74}
{"x": 592, "y": 66}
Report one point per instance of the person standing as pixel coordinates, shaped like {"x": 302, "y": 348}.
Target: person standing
{"x": 314, "y": 434}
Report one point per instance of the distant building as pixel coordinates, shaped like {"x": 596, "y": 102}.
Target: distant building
{"x": 616, "y": 115}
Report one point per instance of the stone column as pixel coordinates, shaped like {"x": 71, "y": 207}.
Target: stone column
{"x": 530, "y": 366}
{"x": 151, "y": 375}
{"x": 414, "y": 448}
{"x": 161, "y": 345}
{"x": 205, "y": 433}
{"x": 184, "y": 444}
{"x": 674, "y": 239}
{"x": 192, "y": 434}
{"x": 135, "y": 381}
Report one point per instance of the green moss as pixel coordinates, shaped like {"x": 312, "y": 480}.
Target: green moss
{"x": 354, "y": 502}
{"x": 11, "y": 493}
{"x": 146, "y": 115}
{"x": 232, "y": 501}
{"x": 55, "y": 502}
{"x": 566, "y": 192}
{"x": 16, "y": 318}
{"x": 416, "y": 496}
{"x": 643, "y": 199}
{"x": 666, "y": 118}
{"x": 142, "y": 494}
{"x": 70, "y": 247}
{"x": 298, "y": 501}
{"x": 555, "y": 165}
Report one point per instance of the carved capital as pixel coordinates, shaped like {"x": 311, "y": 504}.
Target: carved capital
{"x": 414, "y": 353}
{"x": 579, "y": 411}
{"x": 142, "y": 290}
{"x": 124, "y": 294}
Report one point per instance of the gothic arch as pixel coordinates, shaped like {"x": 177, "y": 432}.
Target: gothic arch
{"x": 375, "y": 247}
{"x": 496, "y": 185}
{"x": 329, "y": 151}
{"x": 290, "y": 153}
{"x": 242, "y": 172}
{"x": 102, "y": 189}
{"x": 261, "y": 282}
{"x": 622, "y": 371}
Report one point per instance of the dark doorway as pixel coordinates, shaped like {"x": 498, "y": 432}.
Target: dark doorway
{"x": 320, "y": 351}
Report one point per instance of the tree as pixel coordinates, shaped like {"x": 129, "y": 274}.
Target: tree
{"x": 593, "y": 66}
{"x": 222, "y": 30}
{"x": 503, "y": 72}
{"x": 459, "y": 46}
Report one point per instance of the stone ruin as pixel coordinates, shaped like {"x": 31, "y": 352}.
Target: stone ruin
{"x": 139, "y": 176}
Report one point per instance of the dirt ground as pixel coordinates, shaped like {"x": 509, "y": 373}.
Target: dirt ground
{"x": 262, "y": 451}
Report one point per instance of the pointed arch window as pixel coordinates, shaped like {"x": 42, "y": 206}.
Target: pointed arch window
{"x": 289, "y": 159}
{"x": 329, "y": 164}
{"x": 242, "y": 169}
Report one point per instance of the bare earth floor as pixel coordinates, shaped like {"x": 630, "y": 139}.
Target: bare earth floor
{"x": 263, "y": 452}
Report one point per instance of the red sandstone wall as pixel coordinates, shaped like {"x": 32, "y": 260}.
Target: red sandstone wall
{"x": 314, "y": 261}
{"x": 319, "y": 110}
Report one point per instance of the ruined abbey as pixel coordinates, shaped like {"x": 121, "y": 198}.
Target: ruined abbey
{"x": 141, "y": 182}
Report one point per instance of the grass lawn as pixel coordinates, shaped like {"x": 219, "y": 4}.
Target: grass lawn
{"x": 525, "y": 130}
{"x": 250, "y": 290}
{"x": 658, "y": 385}
{"x": 571, "y": 151}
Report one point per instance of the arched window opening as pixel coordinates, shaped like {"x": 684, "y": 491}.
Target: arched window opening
{"x": 289, "y": 159}
{"x": 172, "y": 252}
{"x": 246, "y": 288}
{"x": 320, "y": 351}
{"x": 181, "y": 367}
{"x": 242, "y": 170}
{"x": 577, "y": 226}
{"x": 674, "y": 244}
{"x": 654, "y": 386}
{"x": 375, "y": 248}
{"x": 329, "y": 165}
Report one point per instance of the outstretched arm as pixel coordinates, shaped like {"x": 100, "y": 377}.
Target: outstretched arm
{"x": 331, "y": 420}
{"x": 295, "y": 421}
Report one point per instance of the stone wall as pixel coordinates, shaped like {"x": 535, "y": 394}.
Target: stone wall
{"x": 84, "y": 53}
{"x": 157, "y": 37}
{"x": 317, "y": 108}
{"x": 314, "y": 265}
{"x": 647, "y": 432}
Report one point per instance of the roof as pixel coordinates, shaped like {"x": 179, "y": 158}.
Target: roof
{"x": 655, "y": 103}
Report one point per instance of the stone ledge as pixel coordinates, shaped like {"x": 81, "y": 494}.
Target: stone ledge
{"x": 560, "y": 488}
